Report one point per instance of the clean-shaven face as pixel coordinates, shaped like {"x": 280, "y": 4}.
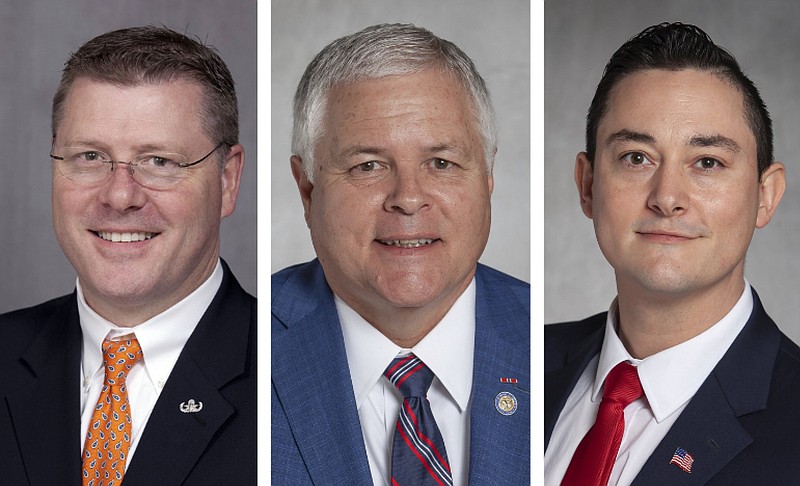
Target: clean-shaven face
{"x": 400, "y": 206}
{"x": 675, "y": 193}
{"x": 135, "y": 247}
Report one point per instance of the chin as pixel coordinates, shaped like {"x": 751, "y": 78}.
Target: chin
{"x": 412, "y": 291}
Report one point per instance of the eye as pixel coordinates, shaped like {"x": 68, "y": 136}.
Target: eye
{"x": 87, "y": 157}
{"x": 635, "y": 158}
{"x": 158, "y": 162}
{"x": 367, "y": 170}
{"x": 441, "y": 164}
{"x": 366, "y": 166}
{"x": 708, "y": 163}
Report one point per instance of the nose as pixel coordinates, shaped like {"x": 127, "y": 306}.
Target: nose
{"x": 120, "y": 191}
{"x": 668, "y": 191}
{"x": 407, "y": 193}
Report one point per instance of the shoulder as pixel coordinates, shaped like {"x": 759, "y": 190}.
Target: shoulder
{"x": 565, "y": 338}
{"x": 298, "y": 291}
{"x": 18, "y": 328}
{"x": 295, "y": 278}
{"x": 502, "y": 289}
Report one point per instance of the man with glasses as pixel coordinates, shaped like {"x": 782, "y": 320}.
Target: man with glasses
{"x": 146, "y": 371}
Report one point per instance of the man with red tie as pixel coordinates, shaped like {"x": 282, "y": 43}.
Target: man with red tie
{"x": 685, "y": 380}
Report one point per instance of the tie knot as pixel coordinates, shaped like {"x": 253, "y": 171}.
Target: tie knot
{"x": 410, "y": 375}
{"x": 119, "y": 357}
{"x": 623, "y": 385}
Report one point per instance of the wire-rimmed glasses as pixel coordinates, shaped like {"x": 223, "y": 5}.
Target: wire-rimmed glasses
{"x": 154, "y": 170}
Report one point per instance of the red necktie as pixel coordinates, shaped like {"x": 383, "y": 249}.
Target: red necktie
{"x": 594, "y": 458}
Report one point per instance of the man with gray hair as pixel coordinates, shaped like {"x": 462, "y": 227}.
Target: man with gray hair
{"x": 396, "y": 357}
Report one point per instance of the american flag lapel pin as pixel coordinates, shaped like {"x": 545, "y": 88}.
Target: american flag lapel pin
{"x": 682, "y": 459}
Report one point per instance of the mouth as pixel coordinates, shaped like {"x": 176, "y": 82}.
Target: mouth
{"x": 408, "y": 243}
{"x": 125, "y": 237}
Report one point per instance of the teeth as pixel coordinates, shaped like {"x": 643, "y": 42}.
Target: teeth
{"x": 407, "y": 243}
{"x": 124, "y": 237}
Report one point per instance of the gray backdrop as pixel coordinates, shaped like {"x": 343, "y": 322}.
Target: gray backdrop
{"x": 580, "y": 36}
{"x": 37, "y": 38}
{"x": 495, "y": 34}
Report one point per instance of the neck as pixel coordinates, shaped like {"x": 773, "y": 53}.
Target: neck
{"x": 652, "y": 321}
{"x": 406, "y": 326}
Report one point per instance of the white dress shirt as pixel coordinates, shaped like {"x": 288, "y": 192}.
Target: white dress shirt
{"x": 161, "y": 338}
{"x": 447, "y": 350}
{"x": 669, "y": 379}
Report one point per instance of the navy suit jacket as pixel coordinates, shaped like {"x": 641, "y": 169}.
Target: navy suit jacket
{"x": 40, "y": 443}
{"x": 742, "y": 427}
{"x": 316, "y": 433}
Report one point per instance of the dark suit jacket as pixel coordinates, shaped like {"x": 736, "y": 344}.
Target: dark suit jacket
{"x": 316, "y": 433}
{"x": 742, "y": 427}
{"x": 40, "y": 443}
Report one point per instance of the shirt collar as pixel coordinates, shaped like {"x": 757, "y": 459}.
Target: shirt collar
{"x": 161, "y": 338}
{"x": 671, "y": 377}
{"x": 447, "y": 350}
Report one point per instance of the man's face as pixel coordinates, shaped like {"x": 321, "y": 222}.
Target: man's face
{"x": 399, "y": 210}
{"x": 675, "y": 193}
{"x": 145, "y": 276}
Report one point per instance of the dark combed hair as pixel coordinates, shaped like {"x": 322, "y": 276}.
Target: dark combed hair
{"x": 149, "y": 54}
{"x": 673, "y": 47}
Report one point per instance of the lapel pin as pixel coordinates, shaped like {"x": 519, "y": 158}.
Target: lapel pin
{"x": 682, "y": 459}
{"x": 513, "y": 381}
{"x": 505, "y": 403}
{"x": 191, "y": 406}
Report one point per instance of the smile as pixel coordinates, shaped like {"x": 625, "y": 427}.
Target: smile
{"x": 407, "y": 243}
{"x": 125, "y": 237}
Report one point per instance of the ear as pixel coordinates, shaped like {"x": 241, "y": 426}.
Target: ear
{"x": 770, "y": 191}
{"x": 584, "y": 179}
{"x": 230, "y": 176}
{"x": 303, "y": 185}
{"x": 490, "y": 175}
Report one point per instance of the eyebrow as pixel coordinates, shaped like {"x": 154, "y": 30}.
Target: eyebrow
{"x": 716, "y": 140}
{"x": 719, "y": 141}
{"x": 370, "y": 150}
{"x": 626, "y": 135}
{"x": 361, "y": 150}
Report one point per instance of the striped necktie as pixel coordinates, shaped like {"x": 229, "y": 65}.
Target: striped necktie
{"x": 418, "y": 455}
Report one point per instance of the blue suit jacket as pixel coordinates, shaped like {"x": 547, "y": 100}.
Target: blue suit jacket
{"x": 741, "y": 427}
{"x": 316, "y": 433}
{"x": 40, "y": 352}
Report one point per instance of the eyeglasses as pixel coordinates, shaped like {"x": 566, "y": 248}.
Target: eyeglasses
{"x": 155, "y": 170}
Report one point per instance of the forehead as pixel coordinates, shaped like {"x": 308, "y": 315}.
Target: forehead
{"x": 685, "y": 102}
{"x": 431, "y": 103}
{"x": 97, "y": 105}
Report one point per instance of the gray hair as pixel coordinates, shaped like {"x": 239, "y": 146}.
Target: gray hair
{"x": 377, "y": 52}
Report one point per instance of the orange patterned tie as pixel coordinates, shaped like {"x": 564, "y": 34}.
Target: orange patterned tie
{"x": 109, "y": 435}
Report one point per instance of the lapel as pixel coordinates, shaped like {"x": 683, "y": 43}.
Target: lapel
{"x": 709, "y": 427}
{"x": 500, "y": 444}
{"x": 311, "y": 378}
{"x": 560, "y": 382}
{"x": 45, "y": 411}
{"x": 216, "y": 353}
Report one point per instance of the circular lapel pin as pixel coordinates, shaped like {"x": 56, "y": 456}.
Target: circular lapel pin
{"x": 505, "y": 403}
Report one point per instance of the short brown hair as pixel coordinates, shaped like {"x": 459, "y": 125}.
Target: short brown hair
{"x": 149, "y": 54}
